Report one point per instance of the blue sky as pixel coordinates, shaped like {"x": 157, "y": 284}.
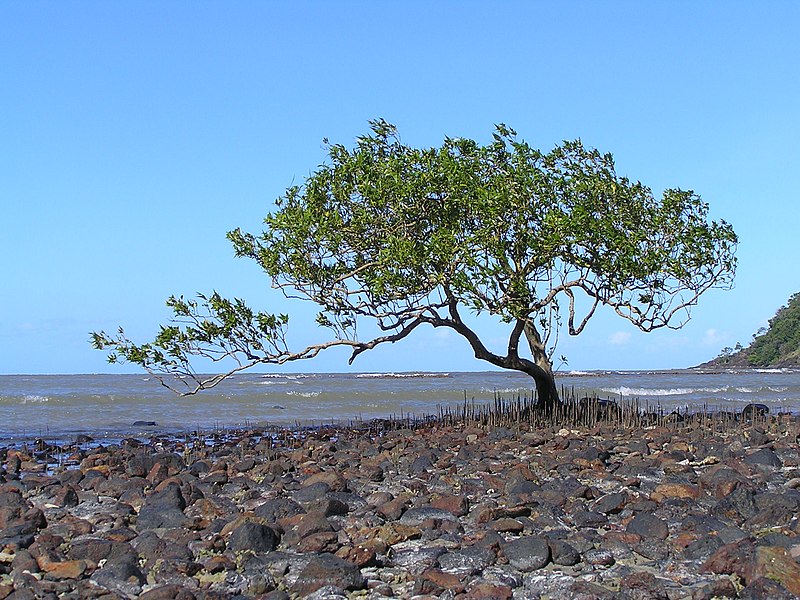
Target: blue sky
{"x": 133, "y": 135}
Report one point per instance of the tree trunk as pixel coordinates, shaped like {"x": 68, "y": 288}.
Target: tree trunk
{"x": 542, "y": 371}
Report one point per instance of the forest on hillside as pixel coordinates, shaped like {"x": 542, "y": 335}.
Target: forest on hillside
{"x": 775, "y": 346}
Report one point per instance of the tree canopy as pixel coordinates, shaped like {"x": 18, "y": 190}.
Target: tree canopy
{"x": 403, "y": 237}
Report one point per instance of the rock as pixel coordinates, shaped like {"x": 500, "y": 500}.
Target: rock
{"x": 563, "y": 554}
{"x": 335, "y": 482}
{"x": 648, "y": 526}
{"x": 589, "y": 518}
{"x": 737, "y": 506}
{"x": 467, "y": 561}
{"x": 163, "y": 509}
{"x": 678, "y": 490}
{"x": 610, "y": 503}
{"x": 481, "y": 590}
{"x": 527, "y": 553}
{"x": 764, "y": 588}
{"x": 278, "y": 508}
{"x": 434, "y": 581}
{"x": 643, "y": 585}
{"x": 763, "y": 457}
{"x": 68, "y": 569}
{"x": 415, "y": 560}
{"x": 457, "y": 505}
{"x": 421, "y": 464}
{"x": 417, "y": 516}
{"x": 599, "y": 557}
{"x": 253, "y": 536}
{"x": 776, "y": 564}
{"x": 168, "y": 592}
{"x": 328, "y": 569}
{"x": 732, "y": 559}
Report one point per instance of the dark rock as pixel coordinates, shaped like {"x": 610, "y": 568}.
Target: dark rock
{"x": 163, "y": 509}
{"x": 599, "y": 556}
{"x": 152, "y": 548}
{"x": 588, "y": 518}
{"x": 417, "y": 516}
{"x": 253, "y": 536}
{"x": 168, "y": 592}
{"x": 312, "y": 492}
{"x": 145, "y": 424}
{"x": 325, "y": 570}
{"x": 328, "y": 506}
{"x": 421, "y": 464}
{"x": 278, "y": 508}
{"x": 737, "y": 506}
{"x": 734, "y": 558}
{"x": 121, "y": 575}
{"x": 754, "y": 410}
{"x": 763, "y": 457}
{"x": 765, "y": 588}
{"x": 702, "y": 548}
{"x": 417, "y": 560}
{"x": 643, "y": 585}
{"x": 610, "y": 504}
{"x": 648, "y": 526}
{"x": 469, "y": 560}
{"x": 527, "y": 553}
{"x": 563, "y": 553}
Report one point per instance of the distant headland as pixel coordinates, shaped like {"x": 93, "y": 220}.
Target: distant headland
{"x": 772, "y": 347}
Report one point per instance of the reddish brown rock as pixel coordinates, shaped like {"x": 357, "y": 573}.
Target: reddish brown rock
{"x": 455, "y": 504}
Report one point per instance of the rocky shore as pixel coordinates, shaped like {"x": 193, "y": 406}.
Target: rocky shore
{"x": 678, "y": 510}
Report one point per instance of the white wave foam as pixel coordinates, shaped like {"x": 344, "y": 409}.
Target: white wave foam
{"x": 631, "y": 391}
{"x": 304, "y": 394}
{"x": 35, "y": 399}
{"x": 401, "y": 375}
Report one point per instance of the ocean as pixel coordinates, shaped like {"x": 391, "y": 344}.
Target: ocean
{"x": 60, "y": 407}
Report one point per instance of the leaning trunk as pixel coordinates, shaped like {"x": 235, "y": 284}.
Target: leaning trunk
{"x": 542, "y": 371}
{"x": 546, "y": 390}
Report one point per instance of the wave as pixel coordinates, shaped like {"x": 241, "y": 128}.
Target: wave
{"x": 681, "y": 391}
{"x": 304, "y": 394}
{"x": 34, "y": 399}
{"x": 415, "y": 375}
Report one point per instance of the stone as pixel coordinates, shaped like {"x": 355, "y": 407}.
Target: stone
{"x": 648, "y": 526}
{"x": 163, "y": 509}
{"x": 253, "y": 536}
{"x": 610, "y": 504}
{"x": 563, "y": 554}
{"x": 764, "y": 588}
{"x": 763, "y": 457}
{"x": 328, "y": 569}
{"x": 457, "y": 505}
{"x": 467, "y": 561}
{"x": 776, "y": 564}
{"x": 69, "y": 569}
{"x": 417, "y": 516}
{"x": 643, "y": 584}
{"x": 599, "y": 556}
{"x": 278, "y": 508}
{"x": 435, "y": 581}
{"x": 678, "y": 490}
{"x": 527, "y": 553}
{"x": 168, "y": 592}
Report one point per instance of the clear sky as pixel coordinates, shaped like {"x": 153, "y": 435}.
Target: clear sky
{"x": 133, "y": 135}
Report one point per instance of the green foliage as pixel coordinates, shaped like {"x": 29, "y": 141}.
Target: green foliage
{"x": 404, "y": 236}
{"x": 781, "y": 342}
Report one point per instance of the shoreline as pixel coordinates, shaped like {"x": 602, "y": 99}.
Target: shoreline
{"x": 460, "y": 510}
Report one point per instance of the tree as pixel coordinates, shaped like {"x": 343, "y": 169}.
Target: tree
{"x": 403, "y": 237}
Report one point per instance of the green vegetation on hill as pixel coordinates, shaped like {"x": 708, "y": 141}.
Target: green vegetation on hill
{"x": 777, "y": 345}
